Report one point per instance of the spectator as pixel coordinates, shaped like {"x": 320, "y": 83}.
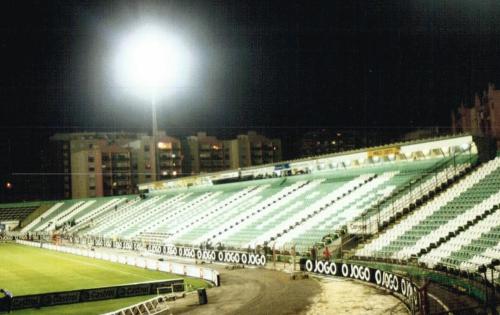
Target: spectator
{"x": 313, "y": 253}
{"x": 326, "y": 254}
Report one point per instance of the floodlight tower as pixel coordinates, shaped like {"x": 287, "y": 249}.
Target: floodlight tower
{"x": 152, "y": 63}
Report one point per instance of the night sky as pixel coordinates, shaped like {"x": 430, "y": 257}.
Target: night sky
{"x": 279, "y": 67}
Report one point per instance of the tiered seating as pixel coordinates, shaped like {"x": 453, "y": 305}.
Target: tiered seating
{"x": 93, "y": 219}
{"x": 38, "y": 220}
{"x": 411, "y": 190}
{"x": 83, "y": 218}
{"x": 337, "y": 214}
{"x": 47, "y": 219}
{"x": 65, "y": 214}
{"x": 429, "y": 223}
{"x": 164, "y": 213}
{"x": 15, "y": 213}
{"x": 475, "y": 246}
{"x": 298, "y": 210}
{"x": 71, "y": 212}
{"x": 237, "y": 199}
{"x": 137, "y": 224}
{"x": 116, "y": 218}
{"x": 155, "y": 238}
{"x": 206, "y": 226}
{"x": 251, "y": 213}
{"x": 227, "y": 232}
{"x": 326, "y": 195}
{"x": 192, "y": 206}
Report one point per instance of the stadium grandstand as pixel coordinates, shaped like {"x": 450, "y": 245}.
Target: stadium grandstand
{"x": 420, "y": 210}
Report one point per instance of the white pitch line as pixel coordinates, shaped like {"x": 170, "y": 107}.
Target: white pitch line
{"x": 439, "y": 302}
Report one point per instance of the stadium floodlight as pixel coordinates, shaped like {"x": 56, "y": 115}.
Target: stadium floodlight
{"x": 465, "y": 146}
{"x": 152, "y": 63}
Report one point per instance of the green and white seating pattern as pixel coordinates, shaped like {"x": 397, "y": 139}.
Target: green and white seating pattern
{"x": 109, "y": 216}
{"x": 227, "y": 232}
{"x": 131, "y": 226}
{"x": 487, "y": 256}
{"x": 402, "y": 240}
{"x": 123, "y": 214}
{"x": 211, "y": 223}
{"x": 38, "y": 220}
{"x": 312, "y": 204}
{"x": 72, "y": 212}
{"x": 369, "y": 224}
{"x": 452, "y": 225}
{"x": 239, "y": 198}
{"x": 297, "y": 210}
{"x": 192, "y": 206}
{"x": 247, "y": 215}
{"x": 52, "y": 221}
{"x": 83, "y": 218}
{"x": 478, "y": 241}
{"x": 338, "y": 214}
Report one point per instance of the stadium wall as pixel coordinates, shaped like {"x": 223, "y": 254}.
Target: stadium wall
{"x": 401, "y": 287}
{"x": 91, "y": 295}
{"x": 220, "y": 256}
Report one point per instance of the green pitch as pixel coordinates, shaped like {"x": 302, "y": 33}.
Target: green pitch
{"x": 29, "y": 270}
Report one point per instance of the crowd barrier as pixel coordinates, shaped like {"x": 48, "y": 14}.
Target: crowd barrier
{"x": 141, "y": 262}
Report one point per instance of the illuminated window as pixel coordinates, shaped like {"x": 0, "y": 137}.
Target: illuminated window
{"x": 164, "y": 145}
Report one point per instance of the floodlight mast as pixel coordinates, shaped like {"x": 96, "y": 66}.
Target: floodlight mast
{"x": 154, "y": 122}
{"x": 152, "y": 61}
{"x": 154, "y": 135}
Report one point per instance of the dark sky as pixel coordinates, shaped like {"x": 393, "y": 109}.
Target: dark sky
{"x": 263, "y": 63}
{"x": 274, "y": 66}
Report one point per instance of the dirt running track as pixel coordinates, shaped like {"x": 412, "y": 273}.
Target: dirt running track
{"x": 263, "y": 291}
{"x": 253, "y": 292}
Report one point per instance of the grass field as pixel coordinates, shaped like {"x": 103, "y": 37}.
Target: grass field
{"x": 29, "y": 270}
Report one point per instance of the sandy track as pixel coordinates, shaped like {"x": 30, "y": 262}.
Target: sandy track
{"x": 252, "y": 292}
{"x": 262, "y": 291}
{"x": 345, "y": 296}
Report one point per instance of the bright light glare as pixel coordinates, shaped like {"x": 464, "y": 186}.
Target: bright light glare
{"x": 152, "y": 61}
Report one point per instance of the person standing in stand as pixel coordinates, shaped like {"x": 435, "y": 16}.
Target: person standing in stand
{"x": 313, "y": 253}
{"x": 326, "y": 254}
